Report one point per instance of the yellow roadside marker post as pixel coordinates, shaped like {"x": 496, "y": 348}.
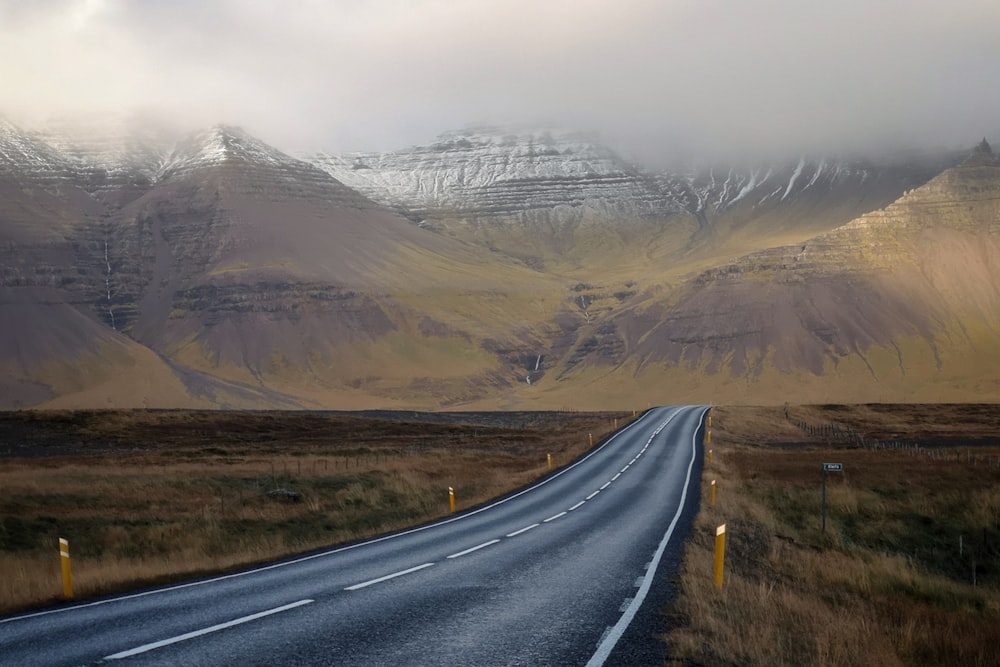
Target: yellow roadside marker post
{"x": 451, "y": 499}
{"x": 67, "y": 574}
{"x": 591, "y": 435}
{"x": 710, "y": 457}
{"x": 708, "y": 438}
{"x": 720, "y": 553}
{"x": 550, "y": 461}
{"x": 712, "y": 496}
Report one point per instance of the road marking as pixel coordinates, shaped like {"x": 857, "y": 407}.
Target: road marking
{"x": 633, "y": 460}
{"x": 617, "y": 475}
{"x": 332, "y": 552}
{"x": 475, "y": 548}
{"x": 577, "y": 505}
{"x": 205, "y": 631}
{"x": 387, "y": 577}
{"x": 593, "y": 494}
{"x": 611, "y": 637}
{"x": 624, "y": 469}
{"x": 606, "y": 485}
{"x": 523, "y": 530}
{"x": 553, "y": 518}
{"x": 625, "y": 604}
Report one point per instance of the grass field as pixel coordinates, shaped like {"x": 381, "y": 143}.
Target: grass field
{"x": 153, "y": 496}
{"x": 908, "y": 569}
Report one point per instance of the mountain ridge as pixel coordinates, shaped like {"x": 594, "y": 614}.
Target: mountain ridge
{"x": 509, "y": 269}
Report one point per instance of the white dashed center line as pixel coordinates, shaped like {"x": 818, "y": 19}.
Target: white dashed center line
{"x": 553, "y": 518}
{"x": 388, "y": 577}
{"x": 475, "y": 548}
{"x": 523, "y": 530}
{"x": 577, "y": 505}
{"x": 198, "y": 633}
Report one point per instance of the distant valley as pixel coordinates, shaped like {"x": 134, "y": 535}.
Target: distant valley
{"x": 491, "y": 269}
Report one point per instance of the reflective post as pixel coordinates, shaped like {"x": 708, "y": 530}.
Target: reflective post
{"x": 720, "y": 553}
{"x": 67, "y": 574}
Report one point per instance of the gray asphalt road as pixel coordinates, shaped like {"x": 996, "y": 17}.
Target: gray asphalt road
{"x": 571, "y": 571}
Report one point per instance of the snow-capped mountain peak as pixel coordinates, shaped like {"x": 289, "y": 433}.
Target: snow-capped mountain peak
{"x": 219, "y": 145}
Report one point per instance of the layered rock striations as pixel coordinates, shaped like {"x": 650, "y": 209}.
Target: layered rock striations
{"x": 916, "y": 278}
{"x": 555, "y": 200}
{"x": 235, "y": 275}
{"x": 488, "y": 174}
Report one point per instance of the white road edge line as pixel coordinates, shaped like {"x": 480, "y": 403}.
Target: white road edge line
{"x": 611, "y": 638}
{"x": 388, "y": 577}
{"x": 523, "y": 530}
{"x": 198, "y": 633}
{"x": 323, "y": 554}
{"x": 553, "y": 518}
{"x": 577, "y": 505}
{"x": 475, "y": 548}
{"x": 593, "y": 494}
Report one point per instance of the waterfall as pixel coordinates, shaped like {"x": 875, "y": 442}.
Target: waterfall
{"x": 107, "y": 285}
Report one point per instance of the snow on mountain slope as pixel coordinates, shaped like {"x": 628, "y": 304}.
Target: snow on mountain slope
{"x": 111, "y": 144}
{"x": 487, "y": 172}
{"x": 484, "y": 174}
{"x": 24, "y": 156}
{"x": 218, "y": 145}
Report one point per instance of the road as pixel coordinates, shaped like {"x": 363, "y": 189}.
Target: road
{"x": 572, "y": 570}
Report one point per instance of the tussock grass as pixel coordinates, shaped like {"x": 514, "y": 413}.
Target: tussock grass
{"x": 153, "y": 497}
{"x": 884, "y": 585}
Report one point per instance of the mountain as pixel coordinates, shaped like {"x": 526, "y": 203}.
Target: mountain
{"x": 251, "y": 279}
{"x": 900, "y": 304}
{"x": 146, "y": 267}
{"x": 563, "y": 202}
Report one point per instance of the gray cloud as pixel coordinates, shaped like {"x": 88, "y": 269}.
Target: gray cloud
{"x": 659, "y": 78}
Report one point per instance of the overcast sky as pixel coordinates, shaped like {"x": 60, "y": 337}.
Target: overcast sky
{"x": 657, "y": 78}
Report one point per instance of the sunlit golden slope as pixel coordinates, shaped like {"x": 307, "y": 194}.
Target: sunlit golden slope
{"x": 900, "y": 304}
{"x": 243, "y": 278}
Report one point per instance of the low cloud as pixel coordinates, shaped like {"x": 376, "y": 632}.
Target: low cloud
{"x": 660, "y": 79}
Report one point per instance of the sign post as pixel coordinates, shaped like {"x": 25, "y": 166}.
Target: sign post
{"x": 829, "y": 467}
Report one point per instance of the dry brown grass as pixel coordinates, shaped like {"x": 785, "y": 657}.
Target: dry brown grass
{"x": 885, "y": 585}
{"x": 153, "y": 497}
